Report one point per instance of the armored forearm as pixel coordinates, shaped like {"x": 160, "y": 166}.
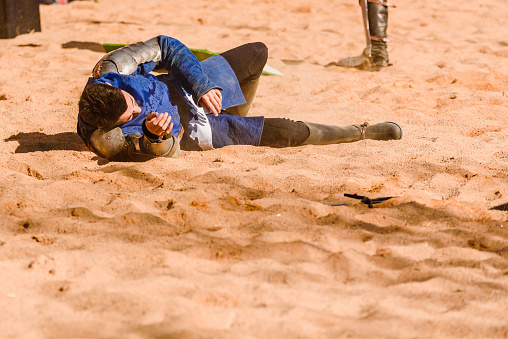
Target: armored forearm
{"x": 112, "y": 145}
{"x": 125, "y": 60}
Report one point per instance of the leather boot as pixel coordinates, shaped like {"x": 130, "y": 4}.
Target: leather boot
{"x": 328, "y": 134}
{"x": 375, "y": 56}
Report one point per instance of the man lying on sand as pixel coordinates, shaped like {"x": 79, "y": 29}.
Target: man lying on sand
{"x": 128, "y": 114}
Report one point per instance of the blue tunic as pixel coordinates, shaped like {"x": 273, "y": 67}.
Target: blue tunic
{"x": 163, "y": 93}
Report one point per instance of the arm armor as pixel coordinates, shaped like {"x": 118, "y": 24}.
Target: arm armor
{"x": 112, "y": 145}
{"x": 125, "y": 60}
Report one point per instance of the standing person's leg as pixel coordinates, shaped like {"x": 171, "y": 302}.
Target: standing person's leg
{"x": 375, "y": 55}
{"x": 247, "y": 61}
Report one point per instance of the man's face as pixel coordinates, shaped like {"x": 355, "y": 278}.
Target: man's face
{"x": 132, "y": 111}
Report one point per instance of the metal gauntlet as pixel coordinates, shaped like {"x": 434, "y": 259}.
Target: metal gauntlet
{"x": 112, "y": 145}
{"x": 125, "y": 60}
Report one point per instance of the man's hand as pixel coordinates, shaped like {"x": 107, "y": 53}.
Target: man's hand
{"x": 159, "y": 124}
{"x": 212, "y": 101}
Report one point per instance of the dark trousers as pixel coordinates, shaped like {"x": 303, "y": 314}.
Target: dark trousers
{"x": 248, "y": 61}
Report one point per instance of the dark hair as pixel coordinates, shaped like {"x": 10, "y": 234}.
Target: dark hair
{"x": 101, "y": 105}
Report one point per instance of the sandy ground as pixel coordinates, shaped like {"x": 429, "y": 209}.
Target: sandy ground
{"x": 239, "y": 242}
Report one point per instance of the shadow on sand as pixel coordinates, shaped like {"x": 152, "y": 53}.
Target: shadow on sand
{"x": 92, "y": 46}
{"x": 40, "y": 142}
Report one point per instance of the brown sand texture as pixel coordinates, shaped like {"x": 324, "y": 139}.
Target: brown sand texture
{"x": 239, "y": 242}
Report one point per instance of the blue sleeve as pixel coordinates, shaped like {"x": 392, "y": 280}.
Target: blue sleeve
{"x": 146, "y": 68}
{"x": 179, "y": 60}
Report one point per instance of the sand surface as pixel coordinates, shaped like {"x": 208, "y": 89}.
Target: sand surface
{"x": 239, "y": 242}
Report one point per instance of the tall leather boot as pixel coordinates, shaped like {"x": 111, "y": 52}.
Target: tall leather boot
{"x": 328, "y": 134}
{"x": 375, "y": 56}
